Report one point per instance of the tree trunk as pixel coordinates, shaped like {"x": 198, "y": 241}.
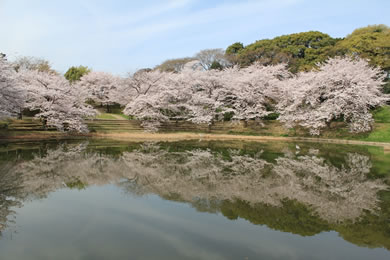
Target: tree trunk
{"x": 44, "y": 121}
{"x": 20, "y": 114}
{"x": 209, "y": 126}
{"x": 329, "y": 124}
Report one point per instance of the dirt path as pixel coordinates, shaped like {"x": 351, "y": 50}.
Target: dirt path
{"x": 142, "y": 136}
{"x": 118, "y": 117}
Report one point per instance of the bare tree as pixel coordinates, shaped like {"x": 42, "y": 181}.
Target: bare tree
{"x": 174, "y": 65}
{"x": 208, "y": 56}
{"x": 33, "y": 63}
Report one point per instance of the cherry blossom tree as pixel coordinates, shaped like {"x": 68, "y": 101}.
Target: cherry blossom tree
{"x": 158, "y": 98}
{"x": 253, "y": 91}
{"x": 342, "y": 88}
{"x": 104, "y": 88}
{"x": 11, "y": 93}
{"x": 204, "y": 96}
{"x": 190, "y": 95}
{"x": 245, "y": 93}
{"x": 58, "y": 104}
{"x": 206, "y": 91}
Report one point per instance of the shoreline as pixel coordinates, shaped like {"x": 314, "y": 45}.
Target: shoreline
{"x": 181, "y": 136}
{"x": 226, "y": 137}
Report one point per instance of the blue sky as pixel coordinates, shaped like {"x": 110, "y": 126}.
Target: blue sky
{"x": 120, "y": 36}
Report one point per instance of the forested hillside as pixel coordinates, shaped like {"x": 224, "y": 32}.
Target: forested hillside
{"x": 303, "y": 51}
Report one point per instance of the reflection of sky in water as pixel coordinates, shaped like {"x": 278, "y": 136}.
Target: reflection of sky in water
{"x": 105, "y": 223}
{"x": 136, "y": 216}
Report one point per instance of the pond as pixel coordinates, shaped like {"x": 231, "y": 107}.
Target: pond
{"x": 102, "y": 199}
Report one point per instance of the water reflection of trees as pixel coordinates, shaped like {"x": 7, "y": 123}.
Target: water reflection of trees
{"x": 335, "y": 194}
{"x": 302, "y": 194}
{"x": 9, "y": 190}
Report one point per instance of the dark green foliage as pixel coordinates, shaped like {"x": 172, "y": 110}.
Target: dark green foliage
{"x": 272, "y": 116}
{"x": 386, "y": 87}
{"x": 228, "y": 116}
{"x": 3, "y": 125}
{"x": 371, "y": 42}
{"x": 216, "y": 66}
{"x": 234, "y": 48}
{"x": 75, "y": 73}
{"x": 303, "y": 51}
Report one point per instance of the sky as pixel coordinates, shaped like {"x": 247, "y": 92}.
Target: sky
{"x": 120, "y": 36}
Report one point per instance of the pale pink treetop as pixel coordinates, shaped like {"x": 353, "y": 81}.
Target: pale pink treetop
{"x": 104, "y": 88}
{"x": 202, "y": 97}
{"x": 342, "y": 88}
{"x": 58, "y": 104}
{"x": 11, "y": 93}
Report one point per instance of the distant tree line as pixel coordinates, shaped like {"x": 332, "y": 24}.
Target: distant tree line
{"x": 300, "y": 51}
{"x": 304, "y": 51}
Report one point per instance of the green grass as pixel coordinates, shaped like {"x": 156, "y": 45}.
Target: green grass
{"x": 3, "y": 125}
{"x": 116, "y": 123}
{"x": 380, "y": 160}
{"x": 381, "y": 133}
{"x": 382, "y": 114}
{"x": 105, "y": 116}
{"x": 112, "y": 116}
{"x": 125, "y": 117}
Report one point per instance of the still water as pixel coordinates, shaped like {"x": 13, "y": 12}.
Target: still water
{"x": 103, "y": 199}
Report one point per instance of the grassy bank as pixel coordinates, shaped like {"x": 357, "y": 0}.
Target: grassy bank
{"x": 111, "y": 124}
{"x": 31, "y": 129}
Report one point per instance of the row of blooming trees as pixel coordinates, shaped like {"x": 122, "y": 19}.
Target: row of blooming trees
{"x": 341, "y": 89}
{"x": 48, "y": 94}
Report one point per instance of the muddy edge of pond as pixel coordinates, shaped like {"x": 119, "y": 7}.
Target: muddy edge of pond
{"x": 201, "y": 136}
{"x": 147, "y": 136}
